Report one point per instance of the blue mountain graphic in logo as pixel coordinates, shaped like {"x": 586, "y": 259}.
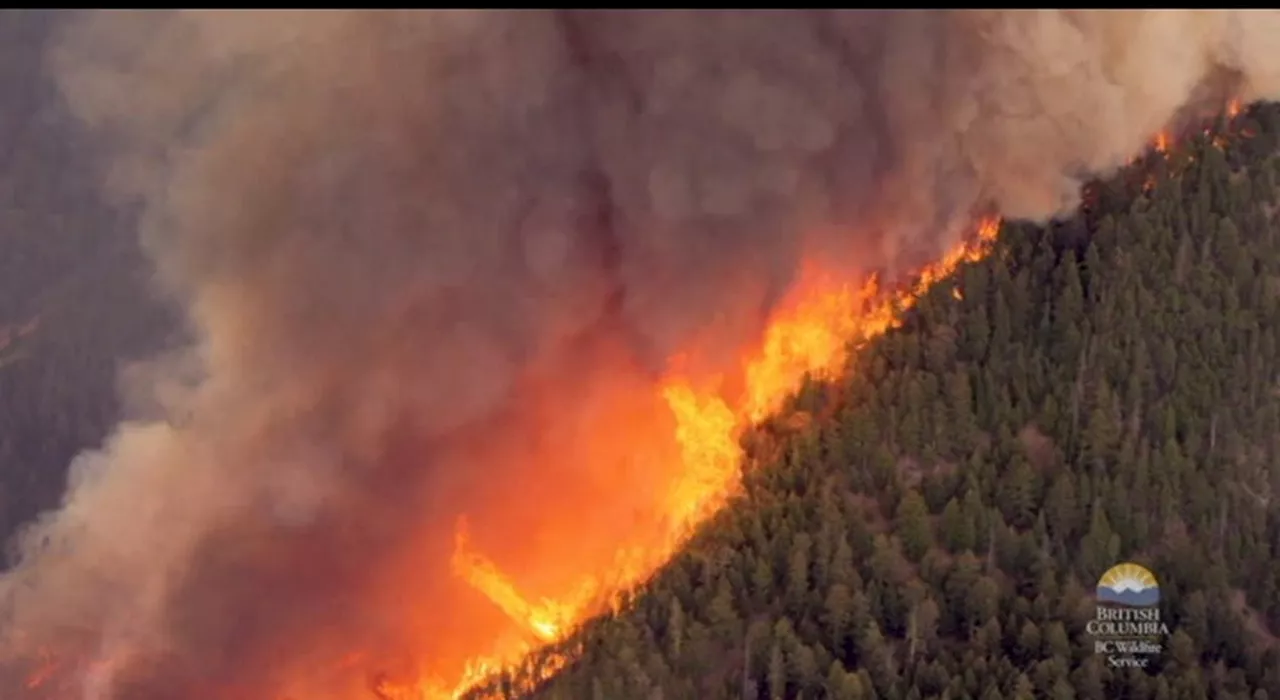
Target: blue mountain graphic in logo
{"x": 1128, "y": 584}
{"x": 1127, "y": 596}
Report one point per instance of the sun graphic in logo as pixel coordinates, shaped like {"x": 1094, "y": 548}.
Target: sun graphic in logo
{"x": 1128, "y": 584}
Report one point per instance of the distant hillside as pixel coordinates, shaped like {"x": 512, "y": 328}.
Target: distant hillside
{"x": 1103, "y": 389}
{"x": 73, "y": 298}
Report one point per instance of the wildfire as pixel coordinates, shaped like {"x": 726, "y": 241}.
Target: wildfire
{"x": 48, "y": 665}
{"x": 1162, "y": 141}
{"x": 1165, "y": 137}
{"x": 544, "y": 620}
{"x": 810, "y": 337}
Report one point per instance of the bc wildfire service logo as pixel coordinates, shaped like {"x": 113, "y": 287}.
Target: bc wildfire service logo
{"x": 1126, "y": 626}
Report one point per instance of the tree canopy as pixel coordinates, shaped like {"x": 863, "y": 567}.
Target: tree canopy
{"x": 1099, "y": 389}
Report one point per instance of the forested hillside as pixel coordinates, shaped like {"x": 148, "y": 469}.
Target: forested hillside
{"x": 1103, "y": 389}
{"x": 1099, "y": 390}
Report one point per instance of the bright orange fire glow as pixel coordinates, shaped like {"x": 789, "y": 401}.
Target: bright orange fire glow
{"x": 811, "y": 336}
{"x": 1162, "y": 141}
{"x": 1165, "y": 137}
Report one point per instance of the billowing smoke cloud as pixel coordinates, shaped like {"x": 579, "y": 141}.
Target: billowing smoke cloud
{"x": 424, "y": 252}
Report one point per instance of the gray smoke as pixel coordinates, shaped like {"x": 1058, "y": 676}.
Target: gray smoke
{"x": 419, "y": 250}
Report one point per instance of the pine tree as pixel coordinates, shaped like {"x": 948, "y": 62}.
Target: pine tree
{"x": 957, "y": 528}
{"x": 777, "y": 673}
{"x": 842, "y": 685}
{"x": 913, "y": 525}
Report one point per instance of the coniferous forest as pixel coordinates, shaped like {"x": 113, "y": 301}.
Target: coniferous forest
{"x": 1105, "y": 388}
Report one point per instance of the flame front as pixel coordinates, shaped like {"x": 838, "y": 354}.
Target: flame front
{"x": 811, "y": 336}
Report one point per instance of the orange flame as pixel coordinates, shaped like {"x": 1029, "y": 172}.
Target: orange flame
{"x": 811, "y": 337}
{"x": 544, "y": 620}
{"x": 1162, "y": 141}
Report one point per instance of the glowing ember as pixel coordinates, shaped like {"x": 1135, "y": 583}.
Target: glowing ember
{"x": 44, "y": 672}
{"x": 1162, "y": 141}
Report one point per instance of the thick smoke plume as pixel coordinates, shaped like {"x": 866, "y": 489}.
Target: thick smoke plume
{"x": 425, "y": 253}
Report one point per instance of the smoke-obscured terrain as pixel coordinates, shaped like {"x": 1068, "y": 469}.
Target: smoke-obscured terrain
{"x": 73, "y": 297}
{"x": 433, "y": 260}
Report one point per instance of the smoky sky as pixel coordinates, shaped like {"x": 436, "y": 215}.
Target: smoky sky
{"x": 414, "y": 246}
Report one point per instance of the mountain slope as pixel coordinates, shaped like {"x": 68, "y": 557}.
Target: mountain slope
{"x": 1099, "y": 390}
